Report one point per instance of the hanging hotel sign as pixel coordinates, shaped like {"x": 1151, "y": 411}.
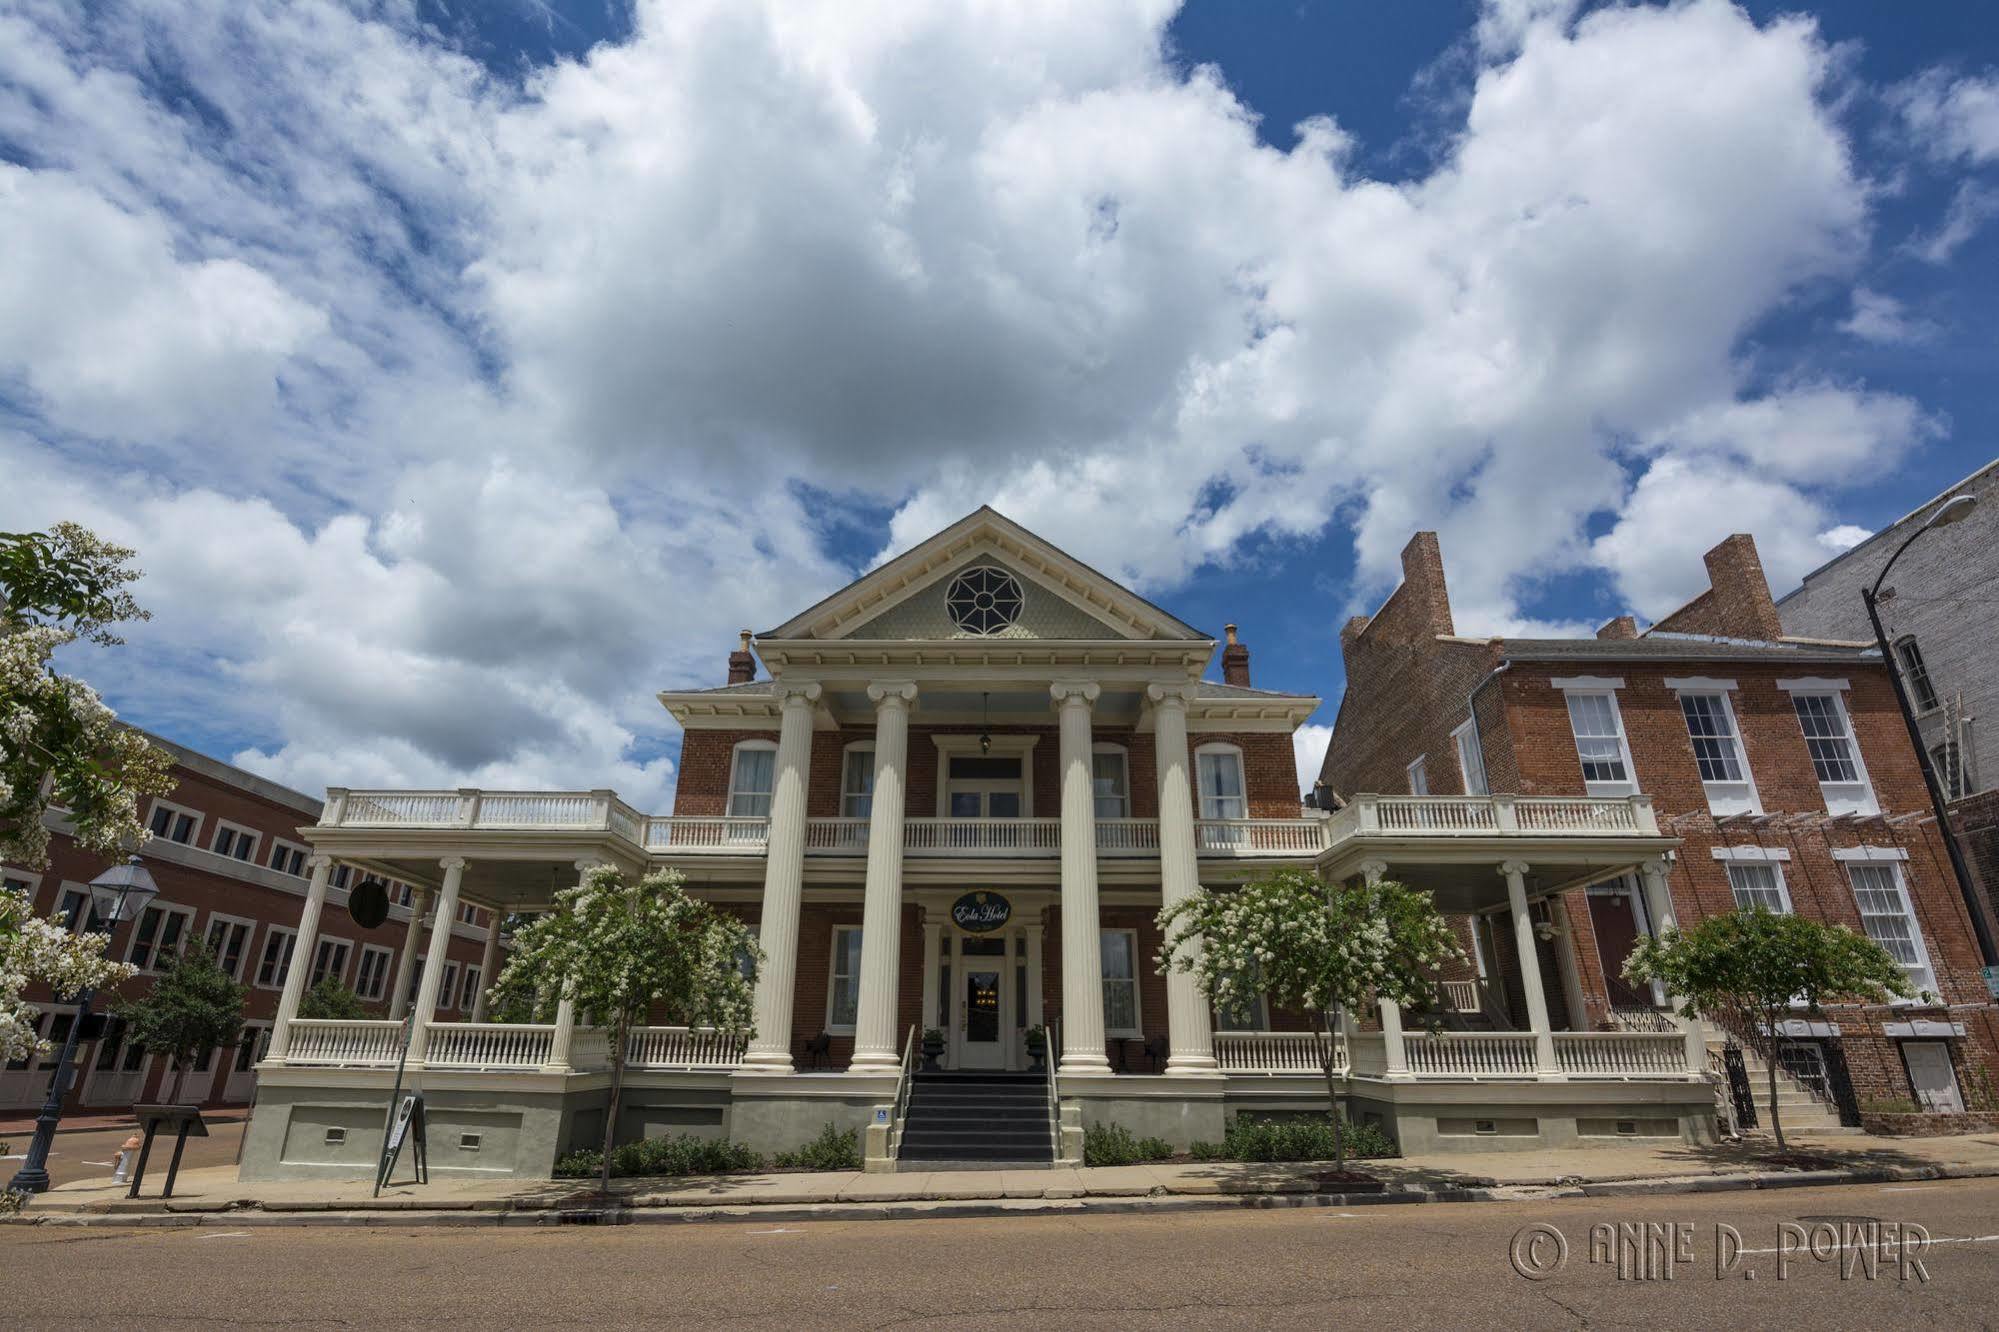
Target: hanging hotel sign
{"x": 981, "y": 912}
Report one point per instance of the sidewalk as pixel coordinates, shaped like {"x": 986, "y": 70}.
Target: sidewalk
{"x": 24, "y": 1127}
{"x": 213, "y": 1193}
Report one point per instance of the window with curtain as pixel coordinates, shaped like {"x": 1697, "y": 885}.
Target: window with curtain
{"x": 1219, "y": 772}
{"x": 1885, "y": 915}
{"x": 1758, "y": 884}
{"x": 845, "y": 1001}
{"x": 1599, "y": 735}
{"x": 857, "y": 785}
{"x": 1110, "y": 779}
{"x": 1119, "y": 949}
{"x": 750, "y": 780}
{"x": 1471, "y": 762}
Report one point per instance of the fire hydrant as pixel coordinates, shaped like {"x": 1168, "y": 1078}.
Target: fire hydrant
{"x": 125, "y": 1156}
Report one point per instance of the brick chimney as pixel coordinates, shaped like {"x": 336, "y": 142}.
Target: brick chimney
{"x": 1423, "y": 583}
{"x": 1235, "y": 661}
{"x": 742, "y": 665}
{"x": 1623, "y": 627}
{"x": 1735, "y": 572}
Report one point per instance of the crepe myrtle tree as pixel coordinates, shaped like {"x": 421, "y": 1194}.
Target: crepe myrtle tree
{"x": 619, "y": 947}
{"x": 33, "y": 949}
{"x": 59, "y": 744}
{"x": 1750, "y": 969}
{"x": 1309, "y": 943}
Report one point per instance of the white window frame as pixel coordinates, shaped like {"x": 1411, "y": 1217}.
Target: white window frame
{"x": 290, "y": 849}
{"x": 1604, "y": 687}
{"x": 235, "y": 830}
{"x": 383, "y": 980}
{"x": 1471, "y": 758}
{"x": 1776, "y": 868}
{"x": 1123, "y": 794}
{"x": 275, "y": 937}
{"x": 216, "y": 918}
{"x": 1855, "y": 797}
{"x": 193, "y": 833}
{"x": 1137, "y": 1028}
{"x": 735, "y": 766}
{"x": 447, "y": 988}
{"x": 338, "y": 973}
{"x": 1724, "y": 798}
{"x": 833, "y": 956}
{"x": 468, "y": 989}
{"x": 1917, "y": 676}
{"x": 857, "y": 804}
{"x": 1927, "y": 981}
{"x": 1418, "y": 775}
{"x": 1217, "y": 748}
{"x": 166, "y": 909}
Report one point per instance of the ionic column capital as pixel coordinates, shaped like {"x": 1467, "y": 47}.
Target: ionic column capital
{"x": 1172, "y": 695}
{"x": 892, "y": 693}
{"x": 790, "y": 692}
{"x": 1077, "y": 692}
{"x": 1374, "y": 871}
{"x": 1512, "y": 867}
{"x": 450, "y": 863}
{"x": 1652, "y": 869}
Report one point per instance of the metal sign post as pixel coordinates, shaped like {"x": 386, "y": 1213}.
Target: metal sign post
{"x": 402, "y": 1112}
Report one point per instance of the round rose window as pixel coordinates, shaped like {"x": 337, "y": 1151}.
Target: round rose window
{"x": 983, "y": 600}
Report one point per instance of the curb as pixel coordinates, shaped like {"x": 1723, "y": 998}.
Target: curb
{"x": 542, "y": 1213}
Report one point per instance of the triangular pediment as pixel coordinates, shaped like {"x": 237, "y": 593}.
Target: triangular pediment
{"x": 922, "y": 594}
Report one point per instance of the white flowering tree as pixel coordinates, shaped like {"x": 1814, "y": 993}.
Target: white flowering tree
{"x": 620, "y": 947}
{"x": 32, "y": 949}
{"x": 1310, "y": 944}
{"x": 59, "y": 744}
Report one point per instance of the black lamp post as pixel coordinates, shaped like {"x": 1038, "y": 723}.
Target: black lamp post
{"x": 117, "y": 895}
{"x": 1954, "y": 509}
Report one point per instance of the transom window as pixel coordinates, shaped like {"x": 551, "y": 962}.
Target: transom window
{"x": 983, "y": 599}
{"x": 750, "y": 779}
{"x": 1119, "y": 950}
{"x": 857, "y": 787}
{"x": 1110, "y": 782}
{"x": 1758, "y": 884}
{"x": 1917, "y": 674}
{"x": 1599, "y": 731}
{"x": 1219, "y": 773}
{"x": 1885, "y": 915}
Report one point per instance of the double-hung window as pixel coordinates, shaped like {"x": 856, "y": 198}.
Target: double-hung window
{"x": 371, "y": 979}
{"x": 235, "y": 842}
{"x": 1599, "y": 732}
{"x": 1758, "y": 883}
{"x": 447, "y": 988}
{"x": 1889, "y": 920}
{"x": 1419, "y": 776}
{"x": 1709, "y": 713}
{"x": 471, "y": 993}
{"x": 229, "y": 940}
{"x": 329, "y": 960}
{"x": 1471, "y": 761}
{"x": 1219, "y": 772}
{"x": 173, "y": 823}
{"x": 857, "y": 783}
{"x": 1921, "y": 688}
{"x": 276, "y": 959}
{"x": 1828, "y": 732}
{"x": 1119, "y": 950}
{"x": 1110, "y": 782}
{"x": 287, "y": 858}
{"x": 161, "y": 932}
{"x": 844, "y": 1001}
{"x": 750, "y": 779}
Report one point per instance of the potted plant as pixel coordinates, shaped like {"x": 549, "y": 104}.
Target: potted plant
{"x": 933, "y": 1048}
{"x": 1036, "y": 1039}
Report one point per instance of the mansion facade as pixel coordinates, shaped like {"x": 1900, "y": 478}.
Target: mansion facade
{"x": 952, "y": 799}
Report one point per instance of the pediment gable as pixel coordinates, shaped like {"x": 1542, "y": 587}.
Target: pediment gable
{"x": 909, "y": 597}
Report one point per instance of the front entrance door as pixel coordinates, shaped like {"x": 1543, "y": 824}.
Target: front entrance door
{"x": 1614, "y": 915}
{"x": 1932, "y": 1077}
{"x": 983, "y": 990}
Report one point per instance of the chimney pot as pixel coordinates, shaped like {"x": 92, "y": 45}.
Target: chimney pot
{"x": 1235, "y": 661}
{"x": 742, "y": 663}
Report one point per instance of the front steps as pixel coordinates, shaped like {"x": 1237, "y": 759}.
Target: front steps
{"x": 1802, "y": 1111}
{"x": 977, "y": 1121}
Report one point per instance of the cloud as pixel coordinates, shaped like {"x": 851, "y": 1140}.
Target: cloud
{"x": 1308, "y": 746}
{"x": 1971, "y": 206}
{"x": 454, "y": 414}
{"x": 1844, "y": 537}
{"x": 1952, "y": 119}
{"x": 1880, "y": 318}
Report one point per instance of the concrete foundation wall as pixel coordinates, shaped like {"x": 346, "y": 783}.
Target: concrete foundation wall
{"x": 1532, "y": 1117}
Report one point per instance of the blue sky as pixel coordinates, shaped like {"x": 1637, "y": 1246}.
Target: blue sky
{"x": 464, "y": 373}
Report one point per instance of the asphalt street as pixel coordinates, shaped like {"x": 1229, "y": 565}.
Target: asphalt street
{"x": 1440, "y": 1265}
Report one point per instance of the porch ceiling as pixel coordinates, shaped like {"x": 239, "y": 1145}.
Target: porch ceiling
{"x": 1468, "y": 879}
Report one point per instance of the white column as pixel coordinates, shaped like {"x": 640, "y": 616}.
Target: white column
{"x": 1190, "y": 1035}
{"x": 1659, "y": 907}
{"x": 1082, "y": 955}
{"x": 784, "y": 883}
{"x": 399, "y": 997}
{"x": 433, "y": 962}
{"x": 1036, "y": 928}
{"x": 302, "y": 946}
{"x": 1394, "y": 1048}
{"x": 875, "y": 1049}
{"x": 1530, "y": 969}
{"x": 927, "y": 1018}
{"x": 487, "y": 961}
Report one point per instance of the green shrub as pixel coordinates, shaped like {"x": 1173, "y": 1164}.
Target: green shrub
{"x": 1292, "y": 1140}
{"x": 831, "y": 1150}
{"x": 1889, "y": 1105}
{"x": 1114, "y": 1145}
{"x": 682, "y": 1155}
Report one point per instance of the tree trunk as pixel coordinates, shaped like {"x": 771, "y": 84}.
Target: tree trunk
{"x": 180, "y": 1076}
{"x": 1776, "y": 1124}
{"x": 1333, "y": 1096}
{"x": 618, "y": 1032}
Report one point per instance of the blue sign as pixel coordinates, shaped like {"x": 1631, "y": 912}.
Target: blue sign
{"x": 981, "y": 912}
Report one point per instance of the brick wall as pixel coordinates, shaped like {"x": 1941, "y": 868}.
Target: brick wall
{"x": 1977, "y": 821}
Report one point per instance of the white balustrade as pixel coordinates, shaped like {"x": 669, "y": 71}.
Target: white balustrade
{"x": 1558, "y": 815}
{"x": 1259, "y": 837}
{"x": 1437, "y": 814}
{"x": 1278, "y": 1052}
{"x": 843, "y": 836}
{"x": 982, "y": 837}
{"x": 539, "y": 809}
{"x": 717, "y": 835}
{"x": 1470, "y": 1054}
{"x": 399, "y": 809}
{"x": 1622, "y": 1054}
{"x": 1127, "y": 837}
{"x": 342, "y": 1044}
{"x": 682, "y": 1047}
{"x": 489, "y": 1045}
{"x": 1462, "y": 995}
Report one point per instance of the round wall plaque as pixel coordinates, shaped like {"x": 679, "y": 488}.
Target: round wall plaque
{"x": 368, "y": 904}
{"x": 981, "y": 912}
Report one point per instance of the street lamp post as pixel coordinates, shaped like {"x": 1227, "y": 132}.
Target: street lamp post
{"x": 1952, "y": 510}
{"x": 123, "y": 887}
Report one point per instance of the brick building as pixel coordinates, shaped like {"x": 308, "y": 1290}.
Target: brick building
{"x": 231, "y": 867}
{"x": 1781, "y": 765}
